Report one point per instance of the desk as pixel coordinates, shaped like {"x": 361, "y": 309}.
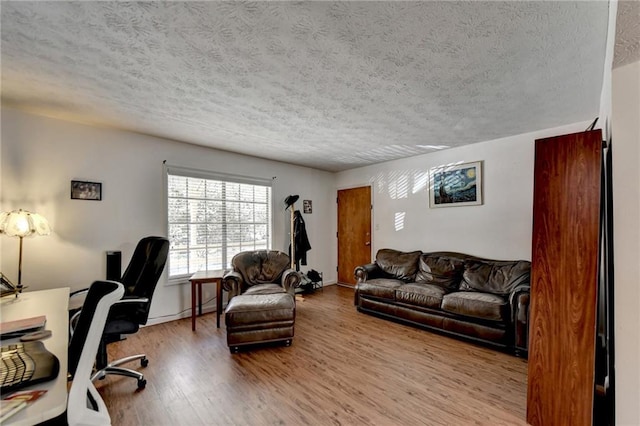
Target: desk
{"x": 205, "y": 277}
{"x": 54, "y": 304}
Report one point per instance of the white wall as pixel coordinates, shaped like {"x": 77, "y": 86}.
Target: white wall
{"x": 626, "y": 217}
{"x": 1, "y": 199}
{"x": 498, "y": 229}
{"x": 40, "y": 156}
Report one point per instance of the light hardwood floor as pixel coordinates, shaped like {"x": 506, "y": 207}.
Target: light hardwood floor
{"x": 344, "y": 368}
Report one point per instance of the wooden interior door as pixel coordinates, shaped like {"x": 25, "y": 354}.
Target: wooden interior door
{"x": 354, "y": 231}
{"x": 564, "y": 279}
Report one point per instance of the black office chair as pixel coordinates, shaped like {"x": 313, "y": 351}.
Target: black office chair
{"x": 127, "y": 315}
{"x": 84, "y": 405}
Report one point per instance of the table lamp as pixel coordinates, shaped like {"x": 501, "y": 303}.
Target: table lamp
{"x": 21, "y": 223}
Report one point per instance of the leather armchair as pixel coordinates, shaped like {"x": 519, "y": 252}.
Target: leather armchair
{"x": 261, "y": 272}
{"x": 519, "y": 300}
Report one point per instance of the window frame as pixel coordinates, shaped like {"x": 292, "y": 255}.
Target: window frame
{"x": 210, "y": 175}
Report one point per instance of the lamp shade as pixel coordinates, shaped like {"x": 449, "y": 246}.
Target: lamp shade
{"x": 21, "y": 223}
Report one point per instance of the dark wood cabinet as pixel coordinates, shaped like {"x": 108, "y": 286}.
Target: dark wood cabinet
{"x": 564, "y": 279}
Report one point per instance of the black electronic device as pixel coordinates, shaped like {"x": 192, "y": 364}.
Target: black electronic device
{"x": 36, "y": 335}
{"x": 114, "y": 265}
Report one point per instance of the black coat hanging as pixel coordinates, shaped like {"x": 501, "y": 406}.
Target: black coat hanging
{"x": 300, "y": 240}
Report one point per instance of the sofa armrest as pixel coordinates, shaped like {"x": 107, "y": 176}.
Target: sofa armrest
{"x": 291, "y": 280}
{"x": 363, "y": 273}
{"x": 519, "y": 300}
{"x": 367, "y": 272}
{"x": 232, "y": 282}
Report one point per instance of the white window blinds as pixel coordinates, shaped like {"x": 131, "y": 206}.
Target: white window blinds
{"x": 213, "y": 217}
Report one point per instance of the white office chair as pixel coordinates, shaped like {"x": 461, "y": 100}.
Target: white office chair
{"x": 85, "y": 407}
{"x": 140, "y": 280}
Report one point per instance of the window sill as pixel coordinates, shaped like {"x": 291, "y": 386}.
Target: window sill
{"x": 181, "y": 280}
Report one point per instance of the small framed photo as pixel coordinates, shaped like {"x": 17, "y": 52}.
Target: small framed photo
{"x": 81, "y": 190}
{"x": 307, "y": 206}
{"x": 456, "y": 185}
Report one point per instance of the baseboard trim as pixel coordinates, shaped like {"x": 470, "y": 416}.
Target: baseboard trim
{"x": 182, "y": 315}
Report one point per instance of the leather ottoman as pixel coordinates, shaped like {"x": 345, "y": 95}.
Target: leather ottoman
{"x": 259, "y": 318}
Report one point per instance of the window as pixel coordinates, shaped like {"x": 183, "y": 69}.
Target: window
{"x": 212, "y": 217}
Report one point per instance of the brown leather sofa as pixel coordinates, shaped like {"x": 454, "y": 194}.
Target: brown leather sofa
{"x": 262, "y": 306}
{"x": 478, "y": 299}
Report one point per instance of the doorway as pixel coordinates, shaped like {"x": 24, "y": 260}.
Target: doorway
{"x": 354, "y": 232}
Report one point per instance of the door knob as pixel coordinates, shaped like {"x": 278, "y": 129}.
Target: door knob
{"x": 368, "y": 243}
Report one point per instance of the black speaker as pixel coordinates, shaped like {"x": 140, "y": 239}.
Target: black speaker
{"x": 114, "y": 265}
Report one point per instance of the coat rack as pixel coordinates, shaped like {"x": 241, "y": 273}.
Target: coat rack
{"x": 290, "y": 202}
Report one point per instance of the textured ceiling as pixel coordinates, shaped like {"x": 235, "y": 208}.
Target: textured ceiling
{"x": 627, "y": 47}
{"x": 321, "y": 84}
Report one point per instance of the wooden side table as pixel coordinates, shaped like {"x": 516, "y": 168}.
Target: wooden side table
{"x": 205, "y": 277}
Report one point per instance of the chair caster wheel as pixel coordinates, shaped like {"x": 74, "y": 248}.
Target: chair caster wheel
{"x": 144, "y": 362}
{"x": 234, "y": 349}
{"x": 287, "y": 342}
{"x": 142, "y": 384}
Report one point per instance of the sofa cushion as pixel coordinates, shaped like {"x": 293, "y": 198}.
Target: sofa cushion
{"x": 418, "y": 294}
{"x": 494, "y": 277}
{"x": 260, "y": 311}
{"x": 477, "y": 305}
{"x": 379, "y": 287}
{"x": 398, "y": 264}
{"x": 265, "y": 289}
{"x": 442, "y": 271}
